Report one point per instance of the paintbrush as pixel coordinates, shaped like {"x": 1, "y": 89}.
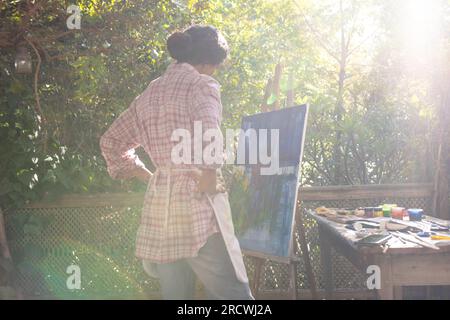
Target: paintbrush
{"x": 417, "y": 240}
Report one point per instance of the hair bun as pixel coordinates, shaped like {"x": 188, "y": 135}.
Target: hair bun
{"x": 179, "y": 45}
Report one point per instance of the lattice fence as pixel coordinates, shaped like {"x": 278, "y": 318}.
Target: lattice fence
{"x": 44, "y": 242}
{"x": 100, "y": 240}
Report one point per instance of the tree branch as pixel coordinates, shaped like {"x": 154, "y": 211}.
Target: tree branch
{"x": 319, "y": 38}
{"x": 36, "y": 81}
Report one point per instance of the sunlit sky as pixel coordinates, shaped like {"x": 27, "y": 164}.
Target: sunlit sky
{"x": 420, "y": 27}
{"x": 416, "y": 27}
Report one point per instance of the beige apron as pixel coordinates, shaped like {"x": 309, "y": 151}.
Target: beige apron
{"x": 222, "y": 210}
{"x": 221, "y": 206}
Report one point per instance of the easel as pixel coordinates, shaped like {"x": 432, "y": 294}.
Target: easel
{"x": 273, "y": 88}
{"x": 258, "y": 260}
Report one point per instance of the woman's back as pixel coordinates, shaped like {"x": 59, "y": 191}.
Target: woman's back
{"x": 173, "y": 102}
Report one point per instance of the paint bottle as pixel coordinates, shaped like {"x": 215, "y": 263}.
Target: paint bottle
{"x": 387, "y": 209}
{"x": 368, "y": 212}
{"x": 415, "y": 214}
{"x": 378, "y": 212}
{"x": 398, "y": 213}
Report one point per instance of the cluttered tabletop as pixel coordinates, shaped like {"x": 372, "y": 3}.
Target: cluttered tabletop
{"x": 388, "y": 229}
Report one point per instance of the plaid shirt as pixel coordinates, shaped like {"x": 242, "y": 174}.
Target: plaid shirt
{"x": 176, "y": 220}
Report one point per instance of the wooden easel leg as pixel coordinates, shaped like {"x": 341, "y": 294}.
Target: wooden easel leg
{"x": 258, "y": 263}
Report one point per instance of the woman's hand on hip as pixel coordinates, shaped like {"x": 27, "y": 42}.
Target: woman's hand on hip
{"x": 207, "y": 181}
{"x": 142, "y": 174}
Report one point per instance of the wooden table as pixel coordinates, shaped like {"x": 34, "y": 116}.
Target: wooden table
{"x": 405, "y": 265}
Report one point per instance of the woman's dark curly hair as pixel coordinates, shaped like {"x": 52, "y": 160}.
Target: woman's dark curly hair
{"x": 198, "y": 45}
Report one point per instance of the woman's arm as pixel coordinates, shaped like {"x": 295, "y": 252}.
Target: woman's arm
{"x": 117, "y": 146}
{"x": 207, "y": 108}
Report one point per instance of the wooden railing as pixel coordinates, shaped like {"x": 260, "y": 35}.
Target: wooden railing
{"x": 423, "y": 190}
{"x": 416, "y": 190}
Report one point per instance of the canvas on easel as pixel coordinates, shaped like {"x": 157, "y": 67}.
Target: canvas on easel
{"x": 264, "y": 223}
{"x": 264, "y": 202}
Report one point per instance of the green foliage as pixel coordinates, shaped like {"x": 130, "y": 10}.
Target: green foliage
{"x": 239, "y": 198}
{"x": 88, "y": 77}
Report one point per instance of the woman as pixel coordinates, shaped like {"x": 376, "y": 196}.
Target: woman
{"x": 183, "y": 231}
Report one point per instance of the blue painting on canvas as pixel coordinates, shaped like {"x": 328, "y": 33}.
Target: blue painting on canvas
{"x": 263, "y": 202}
